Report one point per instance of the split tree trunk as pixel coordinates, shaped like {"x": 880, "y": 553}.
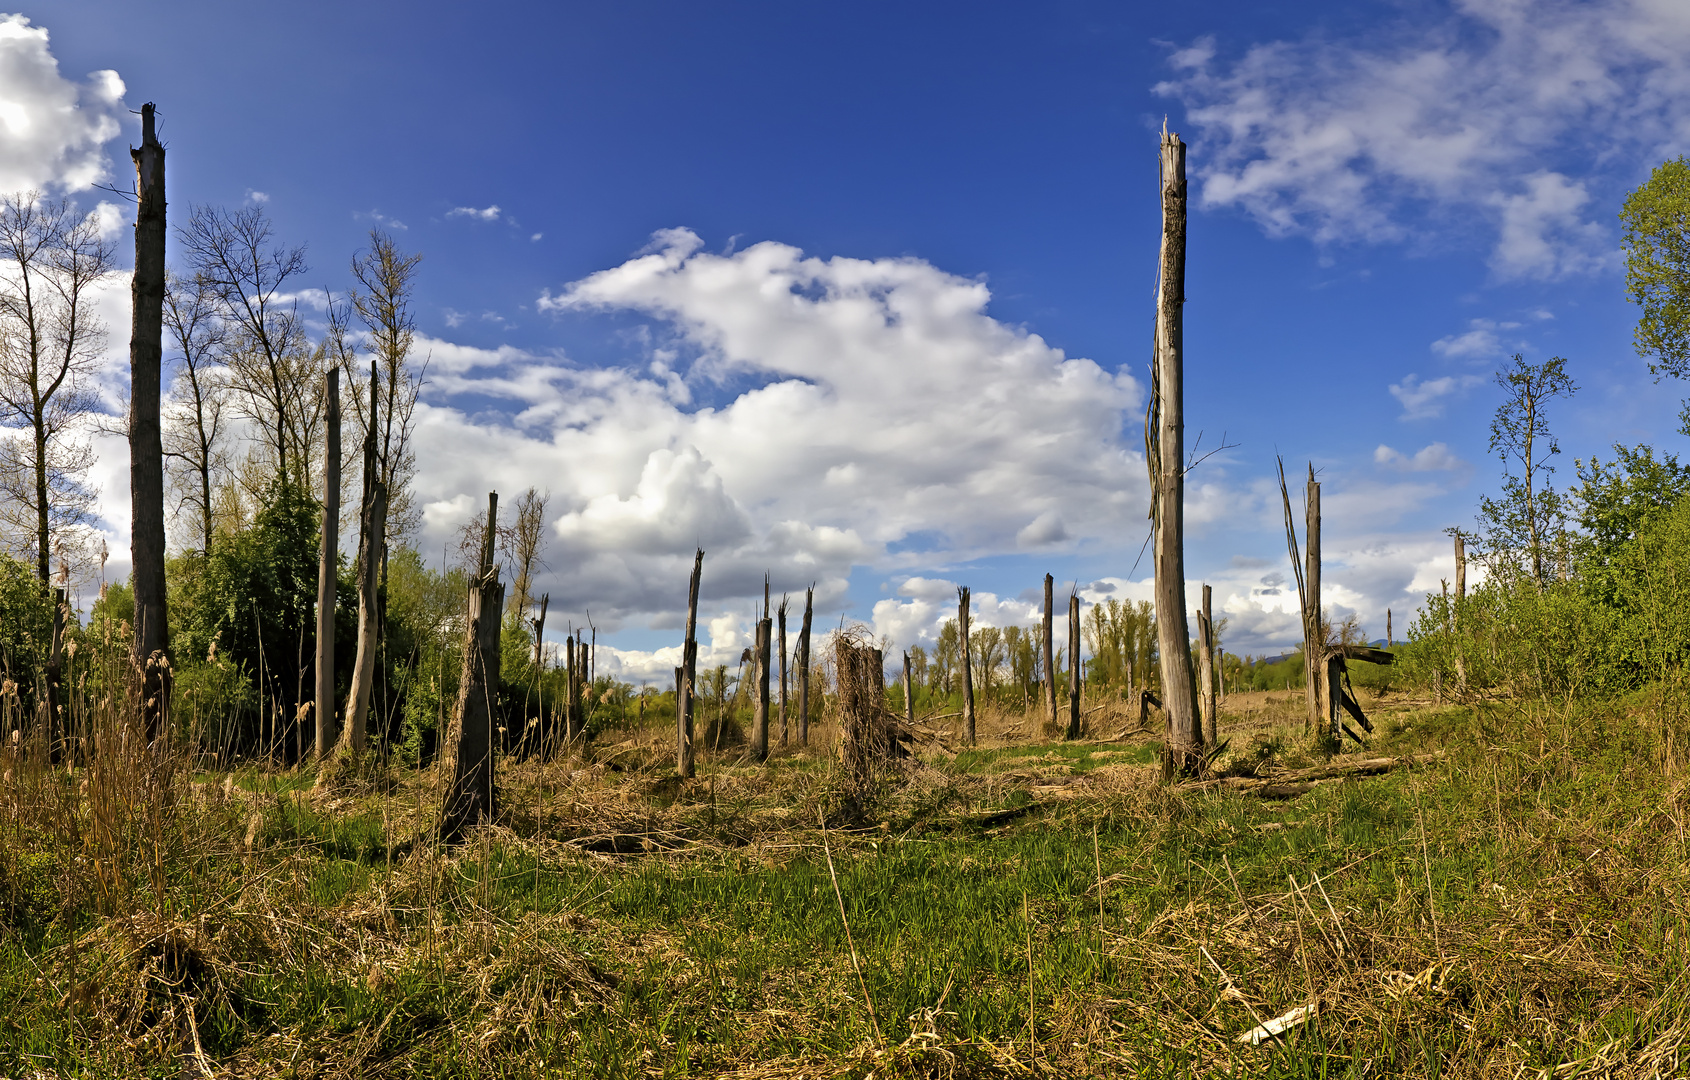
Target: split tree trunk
{"x": 1314, "y": 635}
{"x": 1074, "y": 667}
{"x": 146, "y": 446}
{"x": 781, "y": 612}
{"x": 1050, "y": 651}
{"x": 468, "y": 756}
{"x": 1165, "y": 439}
{"x": 1206, "y": 668}
{"x": 804, "y": 670}
{"x": 372, "y": 530}
{"x": 54, "y": 722}
{"x": 686, "y": 689}
{"x": 909, "y": 692}
{"x": 1460, "y": 605}
{"x": 967, "y": 667}
{"x": 760, "y": 708}
{"x": 328, "y": 567}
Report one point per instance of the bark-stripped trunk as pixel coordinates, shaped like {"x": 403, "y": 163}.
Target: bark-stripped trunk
{"x": 1314, "y": 635}
{"x": 468, "y": 756}
{"x": 688, "y": 692}
{"x": 54, "y": 722}
{"x": 146, "y": 447}
{"x": 760, "y": 708}
{"x": 1206, "y": 668}
{"x": 328, "y": 568}
{"x": 781, "y": 643}
{"x": 967, "y": 666}
{"x": 804, "y": 670}
{"x": 370, "y": 544}
{"x": 1050, "y": 651}
{"x": 1073, "y": 667}
{"x": 1460, "y": 605}
{"x": 1165, "y": 446}
{"x": 909, "y": 692}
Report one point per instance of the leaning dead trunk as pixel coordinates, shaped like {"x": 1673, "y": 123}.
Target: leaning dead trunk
{"x": 967, "y": 667}
{"x": 1165, "y": 450}
{"x": 468, "y": 757}
{"x": 146, "y": 447}
{"x": 328, "y": 566}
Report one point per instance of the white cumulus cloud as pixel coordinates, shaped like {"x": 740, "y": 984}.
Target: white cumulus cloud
{"x": 1422, "y": 400}
{"x": 52, "y": 131}
{"x": 489, "y": 213}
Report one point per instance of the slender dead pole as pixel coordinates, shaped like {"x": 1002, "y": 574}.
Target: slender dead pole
{"x": 1050, "y": 651}
{"x": 328, "y": 566}
{"x": 1314, "y": 634}
{"x": 760, "y": 709}
{"x": 967, "y": 666}
{"x": 1206, "y": 668}
{"x": 1073, "y": 666}
{"x": 370, "y": 547}
{"x": 539, "y": 625}
{"x": 686, "y": 692}
{"x": 146, "y": 446}
{"x": 1460, "y": 605}
{"x": 782, "y": 621}
{"x": 804, "y": 669}
{"x": 1390, "y": 639}
{"x": 909, "y": 691}
{"x": 468, "y": 757}
{"x": 1164, "y": 436}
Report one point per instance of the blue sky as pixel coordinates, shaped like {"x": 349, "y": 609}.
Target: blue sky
{"x": 863, "y": 294}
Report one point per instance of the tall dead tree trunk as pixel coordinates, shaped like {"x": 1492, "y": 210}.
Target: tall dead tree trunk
{"x": 371, "y": 540}
{"x": 1460, "y": 606}
{"x": 1314, "y": 633}
{"x": 687, "y": 688}
{"x": 1206, "y": 668}
{"x": 468, "y": 757}
{"x": 781, "y": 619}
{"x": 328, "y": 567}
{"x": 539, "y": 625}
{"x": 967, "y": 666}
{"x": 54, "y": 725}
{"x": 1050, "y": 651}
{"x": 1164, "y": 437}
{"x": 146, "y": 444}
{"x": 909, "y": 691}
{"x": 804, "y": 670}
{"x": 1073, "y": 666}
{"x": 760, "y": 705}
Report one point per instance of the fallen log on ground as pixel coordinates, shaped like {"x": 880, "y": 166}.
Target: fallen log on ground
{"x": 1296, "y": 782}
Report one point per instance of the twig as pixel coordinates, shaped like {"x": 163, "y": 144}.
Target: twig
{"x": 1227, "y": 979}
{"x": 840, "y": 897}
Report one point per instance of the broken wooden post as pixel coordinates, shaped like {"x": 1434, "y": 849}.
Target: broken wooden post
{"x": 909, "y": 692}
{"x": 1389, "y": 639}
{"x": 1073, "y": 666}
{"x": 1206, "y": 668}
{"x": 1164, "y": 438}
{"x": 781, "y": 618}
{"x": 572, "y": 690}
{"x": 804, "y": 669}
{"x": 468, "y": 757}
{"x": 146, "y": 446}
{"x": 687, "y": 689}
{"x": 370, "y": 545}
{"x": 760, "y": 705}
{"x": 967, "y": 667}
{"x": 865, "y": 737}
{"x": 328, "y": 565}
{"x": 1049, "y": 652}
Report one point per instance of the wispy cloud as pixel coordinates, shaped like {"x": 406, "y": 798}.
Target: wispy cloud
{"x": 1435, "y": 457}
{"x": 1424, "y": 400}
{"x": 489, "y": 213}
{"x": 1506, "y": 112}
{"x": 1480, "y": 341}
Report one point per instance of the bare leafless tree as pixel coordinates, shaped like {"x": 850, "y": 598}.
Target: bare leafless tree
{"x": 51, "y": 258}
{"x": 522, "y": 542}
{"x": 382, "y": 302}
{"x": 273, "y": 369}
{"x": 195, "y": 430}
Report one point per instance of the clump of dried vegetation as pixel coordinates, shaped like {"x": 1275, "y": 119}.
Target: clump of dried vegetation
{"x": 1509, "y": 901}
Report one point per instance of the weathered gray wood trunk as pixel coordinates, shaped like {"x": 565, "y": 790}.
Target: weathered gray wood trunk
{"x": 804, "y": 669}
{"x": 781, "y": 645}
{"x": 686, "y": 689}
{"x": 146, "y": 444}
{"x": 1049, "y": 652}
{"x": 328, "y": 566}
{"x": 1314, "y": 634}
{"x": 467, "y": 761}
{"x": 372, "y": 539}
{"x": 1165, "y": 446}
{"x": 909, "y": 691}
{"x": 760, "y": 708}
{"x": 1206, "y": 668}
{"x": 962, "y": 615}
{"x": 1460, "y": 606}
{"x": 1073, "y": 667}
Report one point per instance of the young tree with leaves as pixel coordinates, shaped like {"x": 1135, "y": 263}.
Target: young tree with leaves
{"x": 1522, "y": 523}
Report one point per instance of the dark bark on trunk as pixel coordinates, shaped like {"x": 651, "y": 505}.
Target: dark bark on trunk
{"x": 468, "y": 756}
{"x": 804, "y": 670}
{"x": 1073, "y": 667}
{"x": 146, "y": 447}
{"x": 328, "y": 569}
{"x": 688, "y": 687}
{"x": 1314, "y": 635}
{"x": 1050, "y": 651}
{"x": 962, "y": 614}
{"x": 1165, "y": 439}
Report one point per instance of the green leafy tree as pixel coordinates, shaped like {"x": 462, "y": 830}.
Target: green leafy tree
{"x": 1615, "y": 502}
{"x": 1519, "y": 529}
{"x": 1656, "y": 219}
